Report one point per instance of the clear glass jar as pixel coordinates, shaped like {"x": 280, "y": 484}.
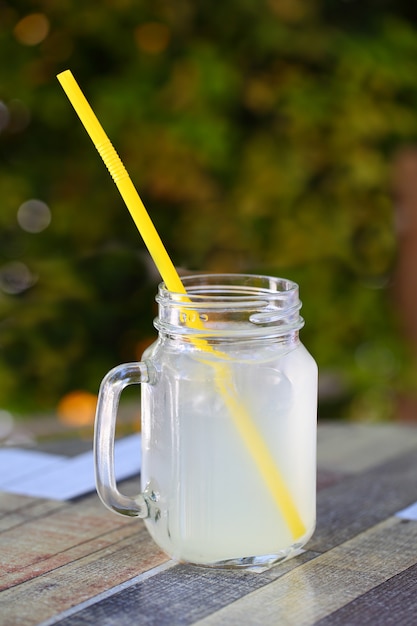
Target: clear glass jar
{"x": 229, "y": 407}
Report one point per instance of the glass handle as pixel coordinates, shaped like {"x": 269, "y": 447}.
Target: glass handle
{"x": 104, "y": 430}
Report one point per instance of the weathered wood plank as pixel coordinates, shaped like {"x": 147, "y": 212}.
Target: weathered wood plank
{"x": 108, "y": 593}
{"x": 85, "y": 571}
{"x": 357, "y": 503}
{"x": 327, "y": 478}
{"x": 58, "y": 555}
{"x": 323, "y": 585}
{"x": 393, "y": 602}
{"x": 64, "y": 534}
{"x": 23, "y": 510}
{"x": 353, "y": 448}
{"x": 180, "y": 595}
{"x": 38, "y": 565}
{"x": 10, "y": 502}
{"x": 81, "y": 580}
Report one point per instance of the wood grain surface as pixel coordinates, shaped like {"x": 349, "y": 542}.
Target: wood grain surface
{"x": 77, "y": 564}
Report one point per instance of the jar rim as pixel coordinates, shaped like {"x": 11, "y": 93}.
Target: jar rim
{"x": 232, "y": 288}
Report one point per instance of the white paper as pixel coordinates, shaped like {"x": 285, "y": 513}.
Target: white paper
{"x": 43, "y": 475}
{"x": 16, "y": 465}
{"x": 410, "y": 512}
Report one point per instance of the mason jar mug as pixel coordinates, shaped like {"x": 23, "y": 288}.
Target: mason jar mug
{"x": 229, "y": 408}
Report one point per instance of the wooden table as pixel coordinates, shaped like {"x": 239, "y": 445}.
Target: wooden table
{"x": 76, "y": 564}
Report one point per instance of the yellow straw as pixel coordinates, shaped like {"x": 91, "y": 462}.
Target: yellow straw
{"x": 144, "y": 224}
{"x": 121, "y": 178}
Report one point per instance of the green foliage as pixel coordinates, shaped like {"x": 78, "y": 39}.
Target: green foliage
{"x": 260, "y": 135}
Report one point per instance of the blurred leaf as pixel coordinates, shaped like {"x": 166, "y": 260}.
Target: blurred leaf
{"x": 260, "y": 136}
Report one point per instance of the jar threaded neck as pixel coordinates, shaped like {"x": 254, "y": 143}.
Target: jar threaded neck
{"x": 230, "y": 305}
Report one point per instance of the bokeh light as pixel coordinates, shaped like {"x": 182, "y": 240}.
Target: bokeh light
{"x": 34, "y": 216}
{"x": 152, "y": 37}
{"x": 15, "y": 277}
{"x": 261, "y": 141}
{"x": 32, "y": 29}
{"x": 77, "y": 408}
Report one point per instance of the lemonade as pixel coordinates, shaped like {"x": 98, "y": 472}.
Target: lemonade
{"x": 212, "y": 504}
{"x": 229, "y": 400}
